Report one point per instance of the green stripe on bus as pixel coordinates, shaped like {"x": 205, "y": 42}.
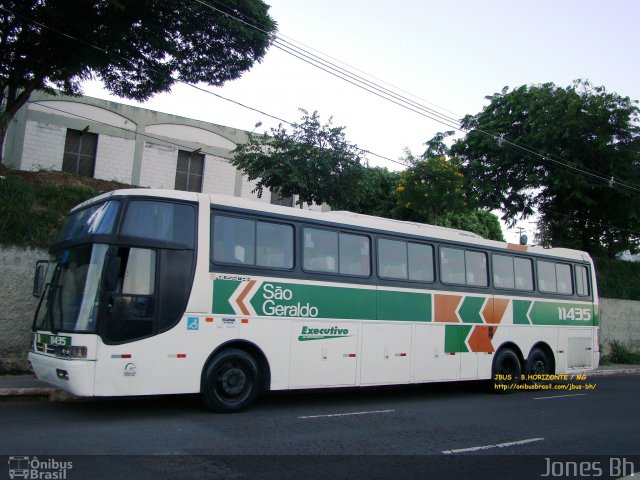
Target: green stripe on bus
{"x": 520, "y": 309}
{"x": 222, "y": 291}
{"x": 455, "y": 338}
{"x": 470, "y": 309}
{"x": 404, "y": 306}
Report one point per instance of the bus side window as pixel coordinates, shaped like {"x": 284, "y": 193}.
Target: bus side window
{"x": 582, "y": 281}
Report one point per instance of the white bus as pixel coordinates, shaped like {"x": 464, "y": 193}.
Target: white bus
{"x": 152, "y": 292}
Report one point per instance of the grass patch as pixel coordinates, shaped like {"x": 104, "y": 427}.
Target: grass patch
{"x": 621, "y": 353}
{"x": 33, "y": 205}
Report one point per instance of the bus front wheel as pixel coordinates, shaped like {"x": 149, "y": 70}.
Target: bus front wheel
{"x": 230, "y": 381}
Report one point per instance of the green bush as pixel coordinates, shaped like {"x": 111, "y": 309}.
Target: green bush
{"x": 618, "y": 279}
{"x": 621, "y": 353}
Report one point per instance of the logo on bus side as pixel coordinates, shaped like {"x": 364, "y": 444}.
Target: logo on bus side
{"x": 275, "y": 293}
{"x": 130, "y": 370}
{"x": 308, "y": 334}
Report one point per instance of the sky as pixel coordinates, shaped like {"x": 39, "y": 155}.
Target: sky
{"x": 446, "y": 54}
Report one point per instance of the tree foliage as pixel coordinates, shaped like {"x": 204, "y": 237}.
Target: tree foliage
{"x": 375, "y": 194}
{"x": 136, "y": 47}
{"x": 430, "y": 187}
{"x": 481, "y": 222}
{"x": 313, "y": 161}
{"x": 570, "y": 154}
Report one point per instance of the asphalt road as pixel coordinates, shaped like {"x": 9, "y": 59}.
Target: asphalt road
{"x": 430, "y": 431}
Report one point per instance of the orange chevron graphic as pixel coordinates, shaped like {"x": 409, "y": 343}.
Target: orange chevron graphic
{"x": 445, "y": 307}
{"x": 481, "y": 336}
{"x": 480, "y": 339}
{"x": 242, "y": 296}
{"x": 494, "y": 310}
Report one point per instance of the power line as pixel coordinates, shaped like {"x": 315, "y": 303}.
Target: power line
{"x": 370, "y": 87}
{"x": 427, "y": 112}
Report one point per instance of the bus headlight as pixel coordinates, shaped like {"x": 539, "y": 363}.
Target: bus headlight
{"x": 71, "y": 352}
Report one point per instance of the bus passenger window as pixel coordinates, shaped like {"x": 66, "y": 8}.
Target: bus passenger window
{"x": 274, "y": 245}
{"x": 452, "y": 265}
{"x": 233, "y": 240}
{"x": 503, "y": 275}
{"x": 523, "y": 273}
{"x": 354, "y": 254}
{"x": 160, "y": 221}
{"x": 563, "y": 275}
{"x": 554, "y": 277}
{"x": 320, "y": 250}
{"x": 392, "y": 259}
{"x": 582, "y": 281}
{"x": 476, "y": 267}
{"x": 420, "y": 262}
{"x": 547, "y": 277}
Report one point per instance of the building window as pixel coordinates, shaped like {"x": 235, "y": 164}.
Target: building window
{"x": 80, "y": 149}
{"x": 189, "y": 171}
{"x": 277, "y": 199}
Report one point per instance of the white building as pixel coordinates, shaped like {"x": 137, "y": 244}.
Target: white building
{"x": 111, "y": 141}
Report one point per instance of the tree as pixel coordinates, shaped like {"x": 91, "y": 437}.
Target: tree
{"x": 314, "y": 161}
{"x": 484, "y": 223}
{"x": 376, "y": 193}
{"x": 136, "y": 47}
{"x": 570, "y": 154}
{"x": 431, "y": 186}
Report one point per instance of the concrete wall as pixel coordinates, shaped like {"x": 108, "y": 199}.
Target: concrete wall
{"x": 17, "y": 305}
{"x": 621, "y": 322}
{"x": 620, "y": 319}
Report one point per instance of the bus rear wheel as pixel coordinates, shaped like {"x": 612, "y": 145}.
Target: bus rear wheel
{"x": 537, "y": 368}
{"x": 230, "y": 381}
{"x": 506, "y": 371}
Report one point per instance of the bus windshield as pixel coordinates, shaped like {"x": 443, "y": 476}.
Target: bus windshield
{"x": 96, "y": 219}
{"x": 70, "y": 300}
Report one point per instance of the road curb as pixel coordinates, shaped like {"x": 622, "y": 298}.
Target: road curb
{"x": 51, "y": 394}
{"x": 615, "y": 371}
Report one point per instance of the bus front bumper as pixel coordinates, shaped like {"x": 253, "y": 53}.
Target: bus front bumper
{"x": 73, "y": 376}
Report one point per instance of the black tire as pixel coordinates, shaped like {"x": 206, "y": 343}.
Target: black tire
{"x": 230, "y": 381}
{"x": 506, "y": 371}
{"x": 538, "y": 365}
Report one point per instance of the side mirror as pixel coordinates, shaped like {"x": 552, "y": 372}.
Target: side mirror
{"x": 40, "y": 277}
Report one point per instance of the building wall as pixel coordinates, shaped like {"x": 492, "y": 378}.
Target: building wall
{"x": 43, "y": 146}
{"x": 113, "y": 158}
{"x": 219, "y": 176}
{"x": 158, "y": 166}
{"x": 135, "y": 145}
